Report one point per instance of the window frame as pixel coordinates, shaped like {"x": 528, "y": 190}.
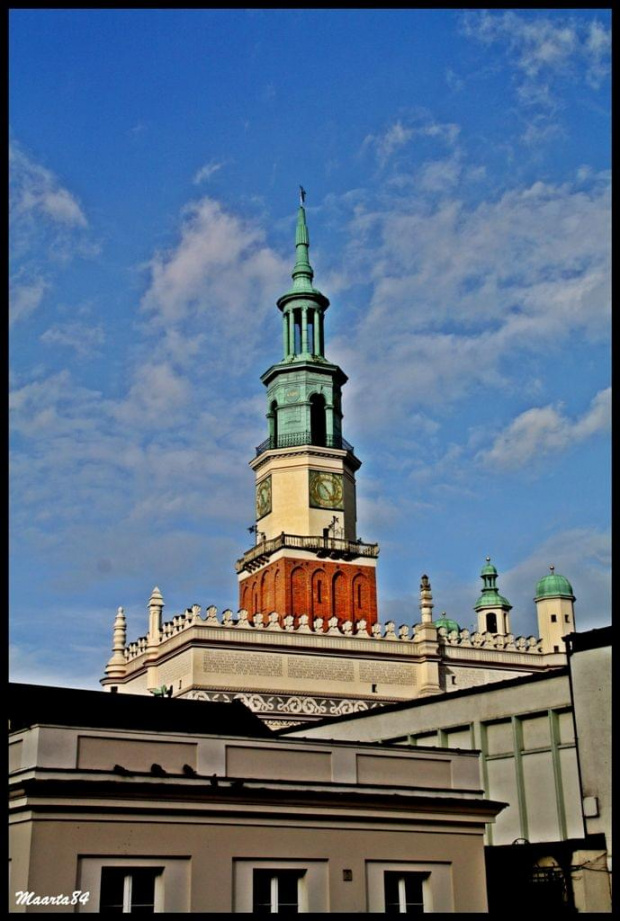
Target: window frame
{"x": 436, "y": 887}
{"x": 172, "y": 883}
{"x": 313, "y": 886}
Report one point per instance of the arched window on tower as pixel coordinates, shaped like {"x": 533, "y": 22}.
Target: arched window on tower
{"x": 318, "y": 428}
{"x": 491, "y": 623}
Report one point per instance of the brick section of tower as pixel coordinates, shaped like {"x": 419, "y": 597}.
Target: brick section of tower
{"x": 318, "y": 588}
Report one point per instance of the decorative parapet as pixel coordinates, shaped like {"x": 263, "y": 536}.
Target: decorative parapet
{"x": 507, "y": 642}
{"x": 326, "y": 627}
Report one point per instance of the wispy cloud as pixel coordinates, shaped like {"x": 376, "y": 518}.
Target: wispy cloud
{"x": 83, "y": 339}
{"x": 455, "y": 288}
{"x": 48, "y": 227}
{"x": 25, "y": 296}
{"x": 403, "y": 130}
{"x": 37, "y": 192}
{"x": 544, "y": 430}
{"x": 544, "y": 51}
{"x": 545, "y": 45}
{"x": 205, "y": 172}
{"x": 219, "y": 265}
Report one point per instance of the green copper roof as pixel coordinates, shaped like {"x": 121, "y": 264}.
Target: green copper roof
{"x": 490, "y": 596}
{"x": 553, "y": 586}
{"x": 303, "y": 272}
{"x": 446, "y": 622}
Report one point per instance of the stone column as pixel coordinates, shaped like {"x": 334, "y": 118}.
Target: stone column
{"x": 317, "y": 332}
{"x": 285, "y": 335}
{"x": 291, "y": 332}
{"x": 304, "y": 330}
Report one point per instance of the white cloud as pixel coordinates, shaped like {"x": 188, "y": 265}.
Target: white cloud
{"x": 456, "y": 288}
{"x": 83, "y": 339}
{"x": 545, "y": 52}
{"x": 398, "y": 135}
{"x": 25, "y": 298}
{"x": 545, "y": 430}
{"x": 156, "y": 395}
{"x": 47, "y": 228}
{"x": 221, "y": 263}
{"x": 36, "y": 191}
{"x": 205, "y": 172}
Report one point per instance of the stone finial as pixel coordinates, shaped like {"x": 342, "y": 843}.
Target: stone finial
{"x": 116, "y": 664}
{"x": 303, "y": 625}
{"x": 120, "y": 631}
{"x": 156, "y": 598}
{"x": 156, "y": 607}
{"x": 426, "y": 600}
{"x": 361, "y": 628}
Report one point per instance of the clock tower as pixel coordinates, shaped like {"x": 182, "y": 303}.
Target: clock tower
{"x": 307, "y": 561}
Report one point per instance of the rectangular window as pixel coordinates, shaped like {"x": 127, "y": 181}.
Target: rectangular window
{"x": 276, "y": 891}
{"x": 553, "y": 619}
{"x": 128, "y": 890}
{"x": 409, "y": 888}
{"x": 404, "y": 892}
{"x": 566, "y": 619}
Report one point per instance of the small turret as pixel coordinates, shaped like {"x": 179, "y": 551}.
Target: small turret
{"x": 555, "y": 610}
{"x": 492, "y": 608}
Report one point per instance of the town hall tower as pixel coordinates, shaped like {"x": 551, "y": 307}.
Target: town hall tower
{"x": 307, "y": 560}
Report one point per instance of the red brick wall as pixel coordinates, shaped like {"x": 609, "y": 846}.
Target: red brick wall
{"x": 318, "y": 588}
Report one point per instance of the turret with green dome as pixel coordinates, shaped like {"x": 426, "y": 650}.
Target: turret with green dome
{"x": 554, "y": 607}
{"x": 554, "y": 586}
{"x": 491, "y": 607}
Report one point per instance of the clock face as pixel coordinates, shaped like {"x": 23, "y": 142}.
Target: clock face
{"x": 263, "y": 498}
{"x": 292, "y": 395}
{"x": 326, "y": 490}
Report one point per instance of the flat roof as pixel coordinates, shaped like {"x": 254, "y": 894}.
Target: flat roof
{"x": 31, "y": 704}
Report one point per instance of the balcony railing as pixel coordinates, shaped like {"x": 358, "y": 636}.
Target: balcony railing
{"x": 303, "y": 438}
{"x": 333, "y": 547}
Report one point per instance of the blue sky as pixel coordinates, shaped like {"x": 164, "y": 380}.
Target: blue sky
{"x": 457, "y": 169}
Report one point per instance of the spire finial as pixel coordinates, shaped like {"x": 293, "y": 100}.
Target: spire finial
{"x": 488, "y": 559}
{"x": 302, "y": 195}
{"x": 552, "y": 568}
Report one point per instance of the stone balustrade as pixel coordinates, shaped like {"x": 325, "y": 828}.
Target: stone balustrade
{"x": 319, "y": 625}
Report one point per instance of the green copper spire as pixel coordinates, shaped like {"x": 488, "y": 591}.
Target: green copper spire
{"x": 304, "y": 389}
{"x": 302, "y": 272}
